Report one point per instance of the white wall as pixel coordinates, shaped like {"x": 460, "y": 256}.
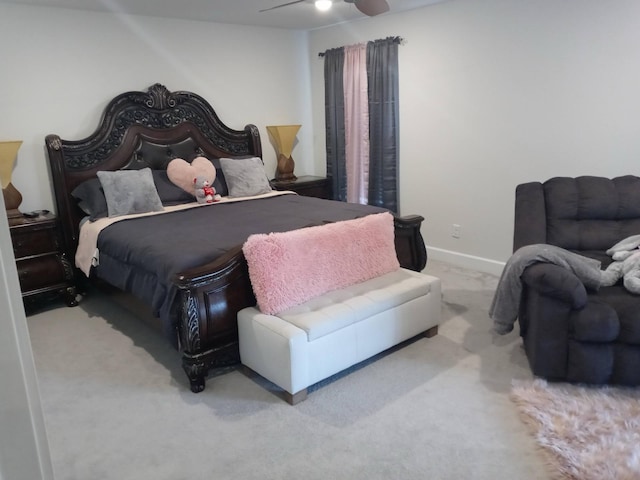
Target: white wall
{"x": 61, "y": 67}
{"x": 498, "y": 92}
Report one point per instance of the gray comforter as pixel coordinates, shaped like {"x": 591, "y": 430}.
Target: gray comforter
{"x": 142, "y": 255}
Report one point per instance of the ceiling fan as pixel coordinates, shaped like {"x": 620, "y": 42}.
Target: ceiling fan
{"x": 368, "y": 7}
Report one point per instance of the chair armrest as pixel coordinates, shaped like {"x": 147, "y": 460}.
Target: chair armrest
{"x": 557, "y": 282}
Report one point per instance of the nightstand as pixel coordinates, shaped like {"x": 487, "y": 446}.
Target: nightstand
{"x": 306, "y": 185}
{"x": 42, "y": 268}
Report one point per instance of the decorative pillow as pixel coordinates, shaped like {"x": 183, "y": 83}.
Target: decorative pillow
{"x": 182, "y": 173}
{"x": 91, "y": 199}
{"x": 130, "y": 191}
{"x": 169, "y": 192}
{"x": 245, "y": 177}
{"x": 289, "y": 268}
{"x": 220, "y": 184}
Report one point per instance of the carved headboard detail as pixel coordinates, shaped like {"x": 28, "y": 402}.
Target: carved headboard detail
{"x": 157, "y": 108}
{"x": 135, "y": 124}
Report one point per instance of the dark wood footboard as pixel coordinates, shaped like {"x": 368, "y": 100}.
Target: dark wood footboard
{"x": 213, "y": 294}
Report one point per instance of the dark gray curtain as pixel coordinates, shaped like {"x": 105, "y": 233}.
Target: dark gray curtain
{"x": 384, "y": 136}
{"x": 334, "y": 119}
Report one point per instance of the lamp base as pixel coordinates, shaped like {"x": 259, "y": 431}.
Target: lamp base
{"x": 14, "y": 213}
{"x": 284, "y": 171}
{"x": 12, "y": 200}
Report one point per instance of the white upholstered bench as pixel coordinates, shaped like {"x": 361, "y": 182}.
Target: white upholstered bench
{"x": 310, "y": 341}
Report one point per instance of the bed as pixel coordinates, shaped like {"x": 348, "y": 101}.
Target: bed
{"x": 192, "y": 274}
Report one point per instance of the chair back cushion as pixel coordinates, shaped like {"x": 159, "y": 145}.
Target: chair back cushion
{"x": 591, "y": 213}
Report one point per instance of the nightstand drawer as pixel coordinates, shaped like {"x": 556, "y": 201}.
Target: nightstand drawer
{"x": 34, "y": 242}
{"x": 306, "y": 185}
{"x": 44, "y": 272}
{"x": 318, "y": 191}
{"x": 40, "y": 272}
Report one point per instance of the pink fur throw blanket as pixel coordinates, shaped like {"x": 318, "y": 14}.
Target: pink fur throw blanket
{"x": 289, "y": 268}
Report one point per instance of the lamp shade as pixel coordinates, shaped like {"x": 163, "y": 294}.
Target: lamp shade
{"x": 8, "y": 152}
{"x": 11, "y": 195}
{"x": 283, "y": 138}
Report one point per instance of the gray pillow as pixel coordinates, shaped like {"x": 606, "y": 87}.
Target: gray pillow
{"x": 245, "y": 177}
{"x": 90, "y": 196}
{"x": 130, "y": 191}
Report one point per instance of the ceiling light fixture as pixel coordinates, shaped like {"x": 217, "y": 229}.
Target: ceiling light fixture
{"x": 323, "y": 5}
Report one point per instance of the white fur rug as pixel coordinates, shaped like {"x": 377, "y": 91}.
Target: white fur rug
{"x": 586, "y": 433}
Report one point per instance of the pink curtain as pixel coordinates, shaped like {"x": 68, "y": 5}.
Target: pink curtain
{"x": 356, "y": 122}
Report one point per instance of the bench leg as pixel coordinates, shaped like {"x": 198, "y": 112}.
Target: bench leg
{"x": 247, "y": 371}
{"x": 291, "y": 399}
{"x": 432, "y": 332}
{"x": 295, "y": 398}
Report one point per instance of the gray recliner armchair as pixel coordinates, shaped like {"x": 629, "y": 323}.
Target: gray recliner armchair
{"x": 570, "y": 333}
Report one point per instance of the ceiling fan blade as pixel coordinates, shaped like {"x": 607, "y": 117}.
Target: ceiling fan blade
{"x": 372, "y": 7}
{"x": 281, "y": 5}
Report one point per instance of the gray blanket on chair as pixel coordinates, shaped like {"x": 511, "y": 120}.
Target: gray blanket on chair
{"x": 506, "y": 300}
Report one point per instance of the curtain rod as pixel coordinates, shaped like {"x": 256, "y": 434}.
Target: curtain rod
{"x": 398, "y": 40}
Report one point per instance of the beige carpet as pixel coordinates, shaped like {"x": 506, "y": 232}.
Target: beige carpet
{"x": 586, "y": 433}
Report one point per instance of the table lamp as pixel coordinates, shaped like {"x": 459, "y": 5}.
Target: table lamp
{"x": 12, "y": 197}
{"x": 283, "y": 136}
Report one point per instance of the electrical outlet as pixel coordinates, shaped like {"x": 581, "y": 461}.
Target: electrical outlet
{"x": 455, "y": 230}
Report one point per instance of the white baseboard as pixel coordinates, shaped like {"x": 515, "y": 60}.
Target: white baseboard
{"x": 463, "y": 260}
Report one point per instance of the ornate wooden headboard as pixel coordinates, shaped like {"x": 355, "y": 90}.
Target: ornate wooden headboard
{"x": 137, "y": 130}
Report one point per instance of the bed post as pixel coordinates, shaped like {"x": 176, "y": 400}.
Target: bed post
{"x": 189, "y": 337}
{"x": 197, "y": 359}
{"x": 211, "y": 297}
{"x": 410, "y": 248}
